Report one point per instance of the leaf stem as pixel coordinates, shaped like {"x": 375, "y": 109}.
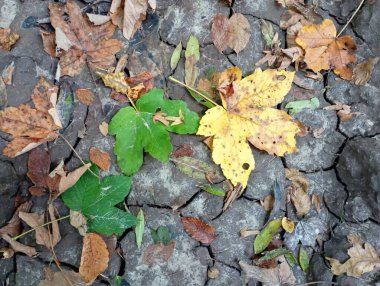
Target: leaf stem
{"x": 42, "y": 225}
{"x": 352, "y": 17}
{"x": 76, "y": 153}
{"x": 194, "y": 90}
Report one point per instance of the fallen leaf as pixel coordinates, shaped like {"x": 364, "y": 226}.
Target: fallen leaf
{"x": 304, "y": 130}
{"x": 95, "y": 257}
{"x": 192, "y": 57}
{"x": 344, "y": 111}
{"x": 214, "y": 190}
{"x": 158, "y": 253}
{"x": 184, "y": 150}
{"x": 121, "y": 64}
{"x": 48, "y": 41}
{"x": 19, "y": 247}
{"x": 213, "y": 273}
{"x": 7, "y": 252}
{"x": 248, "y": 232}
{"x": 85, "y": 96}
{"x": 299, "y": 105}
{"x": 161, "y": 235}
{"x": 101, "y": 158}
{"x": 362, "y": 72}
{"x": 176, "y": 56}
{"x": 7, "y": 38}
{"x": 31, "y": 127}
{"x": 99, "y": 208}
{"x": 13, "y": 227}
{"x": 247, "y": 115}
{"x": 303, "y": 259}
{"x": 78, "y": 221}
{"x": 62, "y": 278}
{"x": 267, "y": 203}
{"x": 317, "y": 201}
{"x": 287, "y": 224}
{"x": 3, "y": 94}
{"x": 281, "y": 275}
{"x": 362, "y": 259}
{"x": 98, "y": 19}
{"x": 300, "y": 200}
{"x": 323, "y": 50}
{"x": 265, "y": 236}
{"x": 103, "y": 127}
{"x": 7, "y": 73}
{"x": 139, "y": 228}
{"x": 317, "y": 133}
{"x": 233, "y": 32}
{"x": 38, "y": 168}
{"x": 198, "y": 230}
{"x": 43, "y": 235}
{"x": 89, "y": 44}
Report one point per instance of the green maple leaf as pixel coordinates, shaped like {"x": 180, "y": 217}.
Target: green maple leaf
{"x": 96, "y": 200}
{"x": 137, "y": 132}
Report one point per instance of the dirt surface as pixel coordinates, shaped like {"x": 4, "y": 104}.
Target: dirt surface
{"x": 342, "y": 164}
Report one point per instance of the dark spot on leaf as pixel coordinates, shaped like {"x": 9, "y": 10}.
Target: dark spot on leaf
{"x": 245, "y": 166}
{"x": 281, "y": 77}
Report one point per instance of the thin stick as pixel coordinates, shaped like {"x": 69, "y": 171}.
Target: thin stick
{"x": 194, "y": 90}
{"x": 76, "y": 153}
{"x": 42, "y": 225}
{"x": 96, "y": 86}
{"x": 352, "y": 17}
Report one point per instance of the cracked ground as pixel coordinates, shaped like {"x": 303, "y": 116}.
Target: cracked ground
{"x": 342, "y": 163}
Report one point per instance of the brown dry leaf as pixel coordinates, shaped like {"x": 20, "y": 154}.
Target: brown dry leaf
{"x": 317, "y": 201}
{"x": 48, "y": 41}
{"x": 103, "y": 127}
{"x": 128, "y": 15}
{"x": 78, "y": 221}
{"x": 62, "y": 278}
{"x": 7, "y": 252}
{"x": 121, "y": 64}
{"x": 233, "y": 32}
{"x": 95, "y": 257}
{"x": 304, "y": 130}
{"x": 287, "y": 224}
{"x": 323, "y": 50}
{"x": 38, "y": 168}
{"x": 158, "y": 253}
{"x": 362, "y": 260}
{"x": 281, "y": 275}
{"x": 97, "y": 19}
{"x": 183, "y": 150}
{"x": 81, "y": 42}
{"x": 7, "y": 74}
{"x": 298, "y": 191}
{"x": 248, "y": 232}
{"x": 267, "y": 203}
{"x": 362, "y": 72}
{"x": 100, "y": 158}
{"x": 31, "y": 127}
{"x": 19, "y": 247}
{"x": 85, "y": 96}
{"x": 43, "y": 235}
{"x": 344, "y": 111}
{"x": 317, "y": 133}
{"x": 13, "y": 227}
{"x": 198, "y": 230}
{"x": 7, "y": 38}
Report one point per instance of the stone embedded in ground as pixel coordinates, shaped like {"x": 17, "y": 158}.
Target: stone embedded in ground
{"x": 7, "y": 266}
{"x": 261, "y": 9}
{"x": 267, "y": 170}
{"x": 31, "y": 271}
{"x": 318, "y": 270}
{"x": 316, "y": 153}
{"x": 183, "y": 268}
{"x": 8, "y": 189}
{"x": 227, "y": 276}
{"x": 204, "y": 206}
{"x": 359, "y": 167}
{"x": 340, "y": 9}
{"x": 229, "y": 247}
{"x": 178, "y": 24}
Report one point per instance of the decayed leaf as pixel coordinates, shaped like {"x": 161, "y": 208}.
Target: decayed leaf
{"x": 7, "y": 73}
{"x": 199, "y": 230}
{"x": 267, "y": 203}
{"x": 95, "y": 257}
{"x": 80, "y": 41}
{"x": 323, "y": 50}
{"x": 103, "y": 128}
{"x": 62, "y": 278}
{"x": 247, "y": 115}
{"x": 362, "y": 72}
{"x": 317, "y": 201}
{"x": 303, "y": 258}
{"x": 7, "y": 38}
{"x": 101, "y": 158}
{"x": 176, "y": 56}
{"x": 85, "y": 96}
{"x": 299, "y": 105}
{"x": 78, "y": 221}
{"x": 31, "y": 127}
{"x": 13, "y": 227}
{"x": 281, "y": 275}
{"x": 362, "y": 260}
{"x": 298, "y": 191}
{"x": 344, "y": 110}
{"x": 43, "y": 235}
{"x": 48, "y": 41}
{"x": 158, "y": 253}
{"x": 192, "y": 57}
{"x": 38, "y": 170}
{"x": 233, "y": 32}
{"x": 128, "y": 15}
{"x": 265, "y": 236}
{"x": 19, "y": 247}
{"x": 287, "y": 224}
{"x": 98, "y": 19}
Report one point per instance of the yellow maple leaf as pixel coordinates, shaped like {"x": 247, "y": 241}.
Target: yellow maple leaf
{"x": 247, "y": 116}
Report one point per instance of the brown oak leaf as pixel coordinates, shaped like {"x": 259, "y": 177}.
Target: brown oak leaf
{"x": 80, "y": 41}
{"x": 233, "y": 32}
{"x": 29, "y": 126}
{"x": 199, "y": 230}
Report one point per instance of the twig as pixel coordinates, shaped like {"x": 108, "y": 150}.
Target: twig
{"x": 42, "y": 225}
{"x": 76, "y": 153}
{"x": 352, "y": 17}
{"x": 194, "y": 90}
{"x": 96, "y": 86}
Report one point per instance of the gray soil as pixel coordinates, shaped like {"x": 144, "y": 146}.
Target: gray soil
{"x": 342, "y": 164}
